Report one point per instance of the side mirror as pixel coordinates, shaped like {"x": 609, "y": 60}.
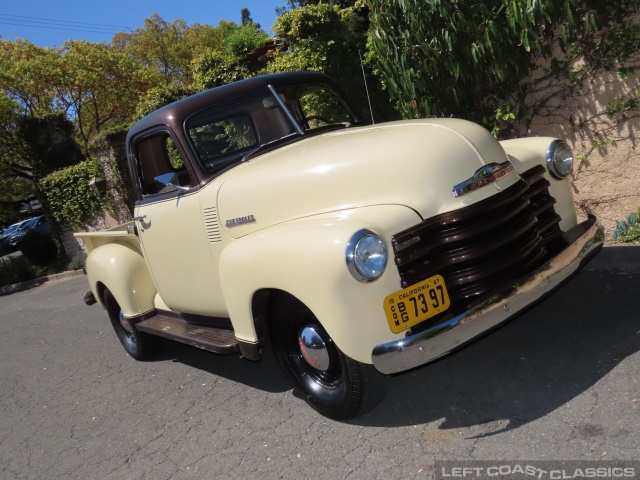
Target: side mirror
{"x": 168, "y": 182}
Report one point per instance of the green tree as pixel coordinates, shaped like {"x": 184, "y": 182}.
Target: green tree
{"x": 27, "y": 73}
{"x": 231, "y": 60}
{"x": 99, "y": 87}
{"x": 157, "y": 46}
{"x": 160, "y": 96}
{"x": 245, "y": 18}
{"x": 293, "y": 4}
{"x": 330, "y": 39}
{"x": 24, "y": 96}
{"x": 168, "y": 48}
{"x": 16, "y": 179}
{"x": 240, "y": 40}
{"x": 52, "y": 98}
{"x": 30, "y": 149}
{"x": 96, "y": 85}
{"x": 48, "y": 144}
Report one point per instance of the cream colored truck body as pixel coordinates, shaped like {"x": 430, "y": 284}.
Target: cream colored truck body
{"x": 305, "y": 199}
{"x": 281, "y": 221}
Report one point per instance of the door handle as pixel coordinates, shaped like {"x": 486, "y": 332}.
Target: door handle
{"x": 139, "y": 218}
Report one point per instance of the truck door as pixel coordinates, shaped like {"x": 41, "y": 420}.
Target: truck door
{"x": 171, "y": 227}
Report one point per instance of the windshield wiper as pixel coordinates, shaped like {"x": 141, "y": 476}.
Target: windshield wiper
{"x": 268, "y": 144}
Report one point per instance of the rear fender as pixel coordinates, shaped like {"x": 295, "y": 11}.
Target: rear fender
{"x": 123, "y": 270}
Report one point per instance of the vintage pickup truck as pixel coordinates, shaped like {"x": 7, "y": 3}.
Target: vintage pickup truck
{"x": 268, "y": 211}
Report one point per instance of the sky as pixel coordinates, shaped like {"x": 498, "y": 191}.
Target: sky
{"x": 48, "y": 23}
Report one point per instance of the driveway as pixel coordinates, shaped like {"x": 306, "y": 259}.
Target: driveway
{"x": 560, "y": 382}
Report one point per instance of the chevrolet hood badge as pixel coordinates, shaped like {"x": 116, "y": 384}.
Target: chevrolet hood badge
{"x": 483, "y": 177}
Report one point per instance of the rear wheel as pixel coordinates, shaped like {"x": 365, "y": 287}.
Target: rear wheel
{"x": 137, "y": 344}
{"x": 328, "y": 380}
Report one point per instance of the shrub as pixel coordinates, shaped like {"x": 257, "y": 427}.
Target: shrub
{"x": 39, "y": 248}
{"x": 16, "y": 270}
{"x": 628, "y": 230}
{"x": 77, "y": 262}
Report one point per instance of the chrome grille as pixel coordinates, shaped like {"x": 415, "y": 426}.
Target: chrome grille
{"x": 481, "y": 248}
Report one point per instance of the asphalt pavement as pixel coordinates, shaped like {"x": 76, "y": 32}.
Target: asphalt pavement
{"x": 558, "y": 383}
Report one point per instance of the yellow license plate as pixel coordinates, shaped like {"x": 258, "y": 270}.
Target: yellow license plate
{"x": 419, "y": 302}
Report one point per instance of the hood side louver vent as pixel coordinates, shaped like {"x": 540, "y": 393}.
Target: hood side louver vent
{"x": 212, "y": 224}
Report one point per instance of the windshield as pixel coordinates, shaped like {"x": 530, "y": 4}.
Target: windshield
{"x": 11, "y": 229}
{"x": 226, "y": 134}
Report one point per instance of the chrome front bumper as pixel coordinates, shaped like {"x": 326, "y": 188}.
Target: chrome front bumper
{"x": 428, "y": 345}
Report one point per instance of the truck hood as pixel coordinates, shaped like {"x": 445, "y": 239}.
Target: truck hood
{"x": 413, "y": 163}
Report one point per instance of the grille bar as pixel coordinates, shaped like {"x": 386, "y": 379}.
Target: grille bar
{"x": 483, "y": 247}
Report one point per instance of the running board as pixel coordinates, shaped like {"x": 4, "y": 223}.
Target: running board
{"x": 213, "y": 339}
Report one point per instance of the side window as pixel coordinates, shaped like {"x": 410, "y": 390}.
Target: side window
{"x": 158, "y": 155}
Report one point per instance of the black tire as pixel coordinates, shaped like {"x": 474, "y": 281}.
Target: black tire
{"x": 140, "y": 346}
{"x": 344, "y": 390}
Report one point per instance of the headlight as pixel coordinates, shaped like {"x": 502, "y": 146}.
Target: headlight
{"x": 366, "y": 256}
{"x": 559, "y": 159}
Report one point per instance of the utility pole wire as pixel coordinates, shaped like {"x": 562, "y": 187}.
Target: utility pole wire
{"x": 67, "y": 29}
{"x": 52, "y": 20}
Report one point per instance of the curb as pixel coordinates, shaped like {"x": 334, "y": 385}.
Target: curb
{"x": 19, "y": 287}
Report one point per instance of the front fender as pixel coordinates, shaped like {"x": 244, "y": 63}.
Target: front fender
{"x": 123, "y": 270}
{"x": 526, "y": 153}
{"x": 306, "y": 258}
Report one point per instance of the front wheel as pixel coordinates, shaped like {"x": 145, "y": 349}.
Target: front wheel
{"x": 137, "y": 344}
{"x": 328, "y": 380}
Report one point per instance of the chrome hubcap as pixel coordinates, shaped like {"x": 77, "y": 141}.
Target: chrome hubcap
{"x": 123, "y": 322}
{"x": 313, "y": 348}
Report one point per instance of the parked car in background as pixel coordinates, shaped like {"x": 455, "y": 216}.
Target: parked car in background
{"x": 5, "y": 247}
{"x": 36, "y": 224}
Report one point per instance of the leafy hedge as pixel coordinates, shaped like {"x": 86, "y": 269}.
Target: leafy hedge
{"x": 70, "y": 198}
